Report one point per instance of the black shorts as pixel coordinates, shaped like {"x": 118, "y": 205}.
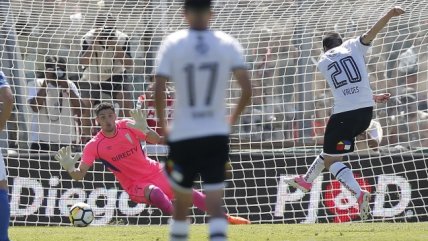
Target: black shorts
{"x": 116, "y": 84}
{"x": 206, "y": 156}
{"x": 342, "y": 128}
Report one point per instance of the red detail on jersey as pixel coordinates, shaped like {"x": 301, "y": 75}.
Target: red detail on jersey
{"x": 333, "y": 190}
{"x": 149, "y": 105}
{"x": 340, "y": 146}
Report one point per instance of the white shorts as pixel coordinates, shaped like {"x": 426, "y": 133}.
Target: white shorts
{"x": 2, "y": 168}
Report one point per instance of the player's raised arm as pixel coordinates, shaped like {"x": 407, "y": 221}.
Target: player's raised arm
{"x": 140, "y": 124}
{"x": 68, "y": 162}
{"x": 368, "y": 37}
{"x": 243, "y": 79}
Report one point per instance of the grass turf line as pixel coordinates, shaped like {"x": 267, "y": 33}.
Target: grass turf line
{"x": 255, "y": 232}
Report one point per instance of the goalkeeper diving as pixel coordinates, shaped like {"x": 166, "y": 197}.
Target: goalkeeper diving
{"x": 117, "y": 146}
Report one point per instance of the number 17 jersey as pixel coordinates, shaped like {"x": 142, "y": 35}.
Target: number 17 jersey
{"x": 199, "y": 64}
{"x": 345, "y": 71}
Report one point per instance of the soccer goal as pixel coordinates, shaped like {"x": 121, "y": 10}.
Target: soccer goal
{"x": 278, "y": 136}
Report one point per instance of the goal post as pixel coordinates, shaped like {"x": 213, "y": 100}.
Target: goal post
{"x": 278, "y": 136}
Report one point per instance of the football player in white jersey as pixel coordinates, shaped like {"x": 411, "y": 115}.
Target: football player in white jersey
{"x": 198, "y": 61}
{"x": 344, "y": 68}
{"x": 6, "y": 106}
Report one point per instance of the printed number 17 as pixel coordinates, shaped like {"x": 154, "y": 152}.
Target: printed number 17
{"x": 190, "y": 71}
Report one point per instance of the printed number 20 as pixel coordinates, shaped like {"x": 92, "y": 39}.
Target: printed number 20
{"x": 348, "y": 65}
{"x": 190, "y": 71}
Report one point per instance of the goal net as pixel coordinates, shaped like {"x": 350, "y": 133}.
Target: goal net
{"x": 278, "y": 136}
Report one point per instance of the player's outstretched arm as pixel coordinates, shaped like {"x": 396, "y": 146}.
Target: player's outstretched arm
{"x": 243, "y": 79}
{"x": 368, "y": 37}
{"x": 68, "y": 162}
{"x": 140, "y": 124}
{"x": 140, "y": 121}
{"x": 381, "y": 98}
{"x": 154, "y": 138}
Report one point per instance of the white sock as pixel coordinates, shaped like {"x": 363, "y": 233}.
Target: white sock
{"x": 179, "y": 230}
{"x": 315, "y": 169}
{"x": 344, "y": 175}
{"x": 218, "y": 229}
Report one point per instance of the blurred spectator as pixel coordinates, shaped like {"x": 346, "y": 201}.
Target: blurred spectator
{"x": 257, "y": 126}
{"x": 320, "y": 118}
{"x": 389, "y": 115}
{"x": 416, "y": 120}
{"x": 263, "y": 75}
{"x": 273, "y": 115}
{"x": 105, "y": 56}
{"x": 251, "y": 128}
{"x": 408, "y": 70}
{"x": 369, "y": 141}
{"x": 54, "y": 101}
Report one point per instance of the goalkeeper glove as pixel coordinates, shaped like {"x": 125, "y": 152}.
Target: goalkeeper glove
{"x": 66, "y": 160}
{"x": 140, "y": 121}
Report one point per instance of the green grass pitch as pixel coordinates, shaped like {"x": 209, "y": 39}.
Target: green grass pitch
{"x": 254, "y": 232}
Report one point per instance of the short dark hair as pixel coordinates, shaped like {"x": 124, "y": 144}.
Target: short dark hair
{"x": 197, "y": 4}
{"x": 52, "y": 61}
{"x": 105, "y": 18}
{"x": 331, "y": 40}
{"x": 104, "y": 106}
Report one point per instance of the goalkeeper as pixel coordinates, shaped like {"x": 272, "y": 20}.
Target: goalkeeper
{"x": 117, "y": 146}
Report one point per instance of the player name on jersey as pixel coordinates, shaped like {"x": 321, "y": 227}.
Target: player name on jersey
{"x": 344, "y": 68}
{"x": 203, "y": 114}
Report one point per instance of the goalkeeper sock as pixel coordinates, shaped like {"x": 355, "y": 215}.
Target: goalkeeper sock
{"x": 179, "y": 230}
{"x": 160, "y": 200}
{"x": 199, "y": 200}
{"x": 315, "y": 169}
{"x": 344, "y": 175}
{"x": 218, "y": 229}
{"x": 4, "y": 215}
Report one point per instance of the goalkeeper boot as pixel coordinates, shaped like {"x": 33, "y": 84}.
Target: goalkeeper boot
{"x": 364, "y": 204}
{"x": 299, "y": 183}
{"x": 237, "y": 220}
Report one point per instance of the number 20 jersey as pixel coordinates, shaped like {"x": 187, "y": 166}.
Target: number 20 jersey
{"x": 199, "y": 64}
{"x": 344, "y": 68}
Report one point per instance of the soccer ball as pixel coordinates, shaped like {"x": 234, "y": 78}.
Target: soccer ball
{"x": 81, "y": 215}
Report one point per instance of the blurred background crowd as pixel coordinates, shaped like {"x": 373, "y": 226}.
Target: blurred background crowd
{"x": 74, "y": 54}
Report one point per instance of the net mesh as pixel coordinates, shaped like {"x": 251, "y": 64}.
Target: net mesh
{"x": 278, "y": 136}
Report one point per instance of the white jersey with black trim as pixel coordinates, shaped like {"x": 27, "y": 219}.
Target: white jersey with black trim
{"x": 344, "y": 68}
{"x": 199, "y": 64}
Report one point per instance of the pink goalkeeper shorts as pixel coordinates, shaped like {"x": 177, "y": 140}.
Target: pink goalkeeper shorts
{"x": 136, "y": 191}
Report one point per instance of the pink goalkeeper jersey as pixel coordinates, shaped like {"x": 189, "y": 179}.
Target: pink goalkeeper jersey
{"x": 122, "y": 154}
